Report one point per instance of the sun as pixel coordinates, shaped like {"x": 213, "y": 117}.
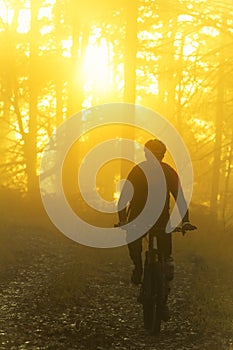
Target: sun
{"x": 96, "y": 67}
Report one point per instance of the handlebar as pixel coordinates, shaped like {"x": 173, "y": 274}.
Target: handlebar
{"x": 176, "y": 229}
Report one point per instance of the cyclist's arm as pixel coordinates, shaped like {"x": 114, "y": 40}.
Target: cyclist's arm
{"x": 177, "y": 192}
{"x": 123, "y": 202}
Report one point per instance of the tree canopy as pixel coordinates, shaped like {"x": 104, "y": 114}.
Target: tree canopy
{"x": 60, "y": 56}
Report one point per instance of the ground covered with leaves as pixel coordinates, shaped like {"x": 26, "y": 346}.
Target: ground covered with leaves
{"x": 56, "y": 294}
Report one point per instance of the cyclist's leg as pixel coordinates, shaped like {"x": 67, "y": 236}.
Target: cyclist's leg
{"x": 165, "y": 248}
{"x": 135, "y": 252}
{"x": 165, "y": 244}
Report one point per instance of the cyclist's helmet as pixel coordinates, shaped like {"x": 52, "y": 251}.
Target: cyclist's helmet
{"x": 157, "y": 147}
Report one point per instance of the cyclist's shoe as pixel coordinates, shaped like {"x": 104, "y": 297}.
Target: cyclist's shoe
{"x": 165, "y": 313}
{"x": 136, "y": 277}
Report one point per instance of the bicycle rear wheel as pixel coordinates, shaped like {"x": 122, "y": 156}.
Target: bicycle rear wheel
{"x": 151, "y": 300}
{"x": 151, "y": 317}
{"x": 151, "y": 310}
{"x": 156, "y": 321}
{"x": 147, "y": 314}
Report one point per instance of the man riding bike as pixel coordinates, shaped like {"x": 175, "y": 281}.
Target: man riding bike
{"x": 153, "y": 148}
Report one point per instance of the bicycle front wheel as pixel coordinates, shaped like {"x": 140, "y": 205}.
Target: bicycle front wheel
{"x": 152, "y": 298}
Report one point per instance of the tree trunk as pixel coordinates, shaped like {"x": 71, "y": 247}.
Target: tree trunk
{"x": 228, "y": 172}
{"x": 130, "y": 52}
{"x": 214, "y": 200}
{"x": 31, "y": 137}
{"x": 130, "y": 72}
{"x": 80, "y": 37}
{"x": 73, "y": 93}
{"x": 217, "y": 144}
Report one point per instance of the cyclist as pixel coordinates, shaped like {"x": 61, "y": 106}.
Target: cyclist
{"x": 153, "y": 148}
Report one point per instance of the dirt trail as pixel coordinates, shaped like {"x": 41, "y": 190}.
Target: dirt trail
{"x": 106, "y": 315}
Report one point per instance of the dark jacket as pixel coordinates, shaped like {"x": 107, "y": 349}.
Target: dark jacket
{"x": 140, "y": 194}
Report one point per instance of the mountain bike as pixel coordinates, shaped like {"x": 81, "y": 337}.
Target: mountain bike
{"x": 157, "y": 273}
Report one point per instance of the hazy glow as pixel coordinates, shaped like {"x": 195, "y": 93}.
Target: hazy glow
{"x": 116, "y": 195}
{"x": 46, "y": 29}
{"x": 201, "y": 123}
{"x": 190, "y": 46}
{"x": 188, "y": 50}
{"x": 96, "y": 64}
{"x": 24, "y": 21}
{"x": 66, "y": 47}
{"x": 18, "y": 136}
{"x": 57, "y": 60}
{"x": 96, "y": 67}
{"x": 45, "y": 12}
{"x": 6, "y": 14}
{"x": 202, "y": 129}
{"x": 209, "y": 31}
{"x": 185, "y": 18}
{"x": 145, "y": 35}
{"x": 24, "y": 17}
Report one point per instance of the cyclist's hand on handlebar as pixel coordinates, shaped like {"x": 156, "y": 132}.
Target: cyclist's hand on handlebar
{"x": 187, "y": 226}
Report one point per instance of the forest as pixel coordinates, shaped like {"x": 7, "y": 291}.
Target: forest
{"x": 175, "y": 57}
{"x": 62, "y": 57}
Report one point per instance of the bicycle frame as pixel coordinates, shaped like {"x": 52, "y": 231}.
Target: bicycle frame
{"x": 154, "y": 289}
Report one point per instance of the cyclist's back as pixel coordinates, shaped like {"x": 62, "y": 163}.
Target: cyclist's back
{"x": 153, "y": 149}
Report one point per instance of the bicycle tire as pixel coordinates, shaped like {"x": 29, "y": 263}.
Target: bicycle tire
{"x": 151, "y": 317}
{"x": 156, "y": 321}
{"x": 151, "y": 301}
{"x": 146, "y": 294}
{"x": 147, "y": 314}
